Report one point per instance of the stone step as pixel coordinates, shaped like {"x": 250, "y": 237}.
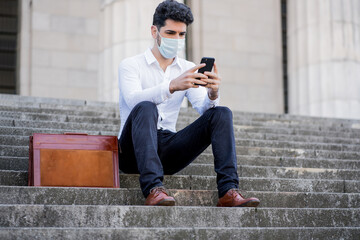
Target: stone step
{"x": 66, "y": 122}
{"x": 13, "y": 178}
{"x": 58, "y": 118}
{"x": 173, "y": 217}
{"x": 21, "y": 163}
{"x": 195, "y": 182}
{"x": 23, "y": 151}
{"x": 14, "y": 163}
{"x": 303, "y": 145}
{"x": 270, "y": 124}
{"x": 269, "y": 136}
{"x": 24, "y": 131}
{"x": 276, "y": 172}
{"x": 253, "y": 167}
{"x": 210, "y": 233}
{"x": 133, "y": 196}
{"x": 297, "y": 138}
{"x": 185, "y": 114}
{"x": 81, "y": 107}
{"x": 55, "y": 110}
{"x": 241, "y": 129}
{"x": 280, "y": 161}
{"x": 36, "y": 102}
{"x": 300, "y": 153}
{"x": 16, "y": 140}
{"x": 183, "y": 120}
{"x": 207, "y": 169}
{"x": 28, "y": 128}
{"x": 57, "y": 125}
{"x": 18, "y": 136}
{"x": 285, "y": 119}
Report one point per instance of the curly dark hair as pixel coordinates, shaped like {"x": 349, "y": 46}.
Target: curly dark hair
{"x": 174, "y": 10}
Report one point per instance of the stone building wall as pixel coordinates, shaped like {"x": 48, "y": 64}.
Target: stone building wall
{"x": 245, "y": 39}
{"x": 75, "y": 47}
{"x": 59, "y": 46}
{"x": 72, "y": 49}
{"x": 125, "y": 32}
{"x": 324, "y": 58}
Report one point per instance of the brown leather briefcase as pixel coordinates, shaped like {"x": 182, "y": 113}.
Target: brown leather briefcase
{"x": 77, "y": 160}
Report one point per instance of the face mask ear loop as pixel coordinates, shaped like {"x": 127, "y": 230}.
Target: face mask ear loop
{"x": 158, "y": 38}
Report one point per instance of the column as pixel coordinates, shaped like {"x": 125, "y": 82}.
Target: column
{"x": 324, "y": 58}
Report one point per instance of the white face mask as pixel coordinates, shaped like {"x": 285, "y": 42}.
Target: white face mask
{"x": 169, "y": 47}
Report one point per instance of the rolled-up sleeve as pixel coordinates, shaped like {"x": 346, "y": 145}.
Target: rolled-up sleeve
{"x": 131, "y": 89}
{"x": 200, "y": 100}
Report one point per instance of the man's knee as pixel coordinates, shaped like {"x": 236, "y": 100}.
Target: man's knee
{"x": 146, "y": 108}
{"x": 145, "y": 105}
{"x": 223, "y": 112}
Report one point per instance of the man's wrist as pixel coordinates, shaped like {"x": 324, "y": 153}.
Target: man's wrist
{"x": 171, "y": 88}
{"x": 213, "y": 95}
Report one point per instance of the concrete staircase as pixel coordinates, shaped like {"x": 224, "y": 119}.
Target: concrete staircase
{"x": 305, "y": 171}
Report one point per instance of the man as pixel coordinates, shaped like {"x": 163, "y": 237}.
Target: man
{"x": 152, "y": 87}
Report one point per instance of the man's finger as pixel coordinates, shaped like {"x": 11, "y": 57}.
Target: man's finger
{"x": 197, "y": 67}
{"x": 200, "y": 82}
{"x": 211, "y": 75}
{"x": 199, "y": 75}
{"x": 215, "y": 69}
{"x": 212, "y": 81}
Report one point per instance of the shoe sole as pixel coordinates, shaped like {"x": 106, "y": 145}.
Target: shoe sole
{"x": 166, "y": 202}
{"x": 251, "y": 203}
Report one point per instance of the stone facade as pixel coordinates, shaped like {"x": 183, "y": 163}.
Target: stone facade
{"x": 125, "y": 32}
{"x": 59, "y": 46}
{"x": 72, "y": 48}
{"x": 245, "y": 39}
{"x": 324, "y": 58}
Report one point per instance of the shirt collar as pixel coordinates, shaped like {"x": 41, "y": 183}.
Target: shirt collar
{"x": 150, "y": 59}
{"x": 149, "y": 56}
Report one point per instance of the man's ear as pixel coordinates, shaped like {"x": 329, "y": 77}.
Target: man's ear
{"x": 153, "y": 31}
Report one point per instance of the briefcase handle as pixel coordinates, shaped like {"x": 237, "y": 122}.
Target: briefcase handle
{"x": 71, "y": 133}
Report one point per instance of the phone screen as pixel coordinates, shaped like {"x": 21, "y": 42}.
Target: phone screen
{"x": 209, "y": 64}
{"x": 208, "y": 67}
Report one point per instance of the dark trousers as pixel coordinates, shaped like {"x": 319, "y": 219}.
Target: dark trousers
{"x": 153, "y": 153}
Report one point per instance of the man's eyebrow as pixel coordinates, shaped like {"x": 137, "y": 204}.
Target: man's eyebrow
{"x": 172, "y": 31}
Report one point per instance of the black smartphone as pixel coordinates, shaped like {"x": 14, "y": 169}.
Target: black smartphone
{"x": 208, "y": 67}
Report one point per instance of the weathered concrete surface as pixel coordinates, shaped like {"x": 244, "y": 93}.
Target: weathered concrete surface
{"x": 276, "y": 172}
{"x": 52, "y": 103}
{"x": 23, "y": 151}
{"x": 304, "y": 170}
{"x": 21, "y": 163}
{"x": 195, "y": 182}
{"x": 143, "y": 216}
{"x": 16, "y": 140}
{"x": 280, "y": 161}
{"x": 178, "y": 233}
{"x": 101, "y": 196}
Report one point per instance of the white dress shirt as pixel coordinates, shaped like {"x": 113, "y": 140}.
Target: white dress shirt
{"x": 142, "y": 79}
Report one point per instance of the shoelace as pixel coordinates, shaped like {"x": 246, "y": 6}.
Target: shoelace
{"x": 159, "y": 190}
{"x": 235, "y": 190}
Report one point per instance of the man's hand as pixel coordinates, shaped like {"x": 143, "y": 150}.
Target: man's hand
{"x": 188, "y": 79}
{"x": 213, "y": 82}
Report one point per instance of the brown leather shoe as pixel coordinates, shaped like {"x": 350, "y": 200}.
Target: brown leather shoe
{"x": 159, "y": 197}
{"x": 233, "y": 198}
